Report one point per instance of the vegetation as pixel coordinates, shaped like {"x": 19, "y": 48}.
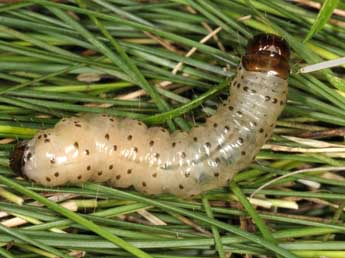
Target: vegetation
{"x": 167, "y": 62}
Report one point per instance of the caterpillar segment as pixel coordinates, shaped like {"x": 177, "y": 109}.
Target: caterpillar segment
{"x": 125, "y": 152}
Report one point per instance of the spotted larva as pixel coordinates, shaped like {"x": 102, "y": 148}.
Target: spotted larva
{"x": 124, "y": 152}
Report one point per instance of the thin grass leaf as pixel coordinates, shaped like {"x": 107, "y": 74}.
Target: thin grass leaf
{"x": 36, "y": 243}
{"x": 217, "y": 53}
{"x": 75, "y": 217}
{"x": 13, "y": 6}
{"x": 156, "y": 36}
{"x": 122, "y": 12}
{"x": 133, "y": 70}
{"x": 6, "y": 253}
{"x": 215, "y": 232}
{"x": 159, "y": 118}
{"x": 322, "y": 18}
{"x": 252, "y": 212}
{"x": 213, "y": 222}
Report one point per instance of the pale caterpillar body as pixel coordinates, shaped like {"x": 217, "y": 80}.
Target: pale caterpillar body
{"x": 125, "y": 152}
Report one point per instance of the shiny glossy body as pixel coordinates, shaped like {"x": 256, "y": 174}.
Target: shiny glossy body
{"x": 124, "y": 152}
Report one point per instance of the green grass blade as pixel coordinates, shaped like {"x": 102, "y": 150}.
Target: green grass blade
{"x": 6, "y": 253}
{"x": 75, "y": 217}
{"x": 162, "y": 117}
{"x": 215, "y": 231}
{"x": 233, "y": 229}
{"x": 322, "y": 18}
{"x": 252, "y": 212}
{"x": 36, "y": 243}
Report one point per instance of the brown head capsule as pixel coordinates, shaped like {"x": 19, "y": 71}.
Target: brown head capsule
{"x": 267, "y": 53}
{"x": 17, "y": 160}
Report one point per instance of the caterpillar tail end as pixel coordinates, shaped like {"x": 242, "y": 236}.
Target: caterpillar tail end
{"x": 17, "y": 161}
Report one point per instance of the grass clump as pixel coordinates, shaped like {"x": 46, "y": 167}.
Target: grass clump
{"x": 168, "y": 63}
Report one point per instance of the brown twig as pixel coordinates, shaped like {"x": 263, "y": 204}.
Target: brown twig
{"x": 324, "y": 133}
{"x": 317, "y": 5}
{"x": 178, "y": 66}
{"x": 191, "y": 223}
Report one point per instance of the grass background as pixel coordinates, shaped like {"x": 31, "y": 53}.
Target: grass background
{"x": 168, "y": 63}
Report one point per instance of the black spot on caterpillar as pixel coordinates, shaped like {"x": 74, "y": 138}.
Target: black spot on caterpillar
{"x": 124, "y": 152}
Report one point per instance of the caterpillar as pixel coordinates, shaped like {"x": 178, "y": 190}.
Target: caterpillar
{"x": 125, "y": 152}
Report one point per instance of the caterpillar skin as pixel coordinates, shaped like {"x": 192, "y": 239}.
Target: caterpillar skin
{"x": 124, "y": 152}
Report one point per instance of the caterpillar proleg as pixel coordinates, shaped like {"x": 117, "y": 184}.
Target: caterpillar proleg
{"x": 125, "y": 152}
